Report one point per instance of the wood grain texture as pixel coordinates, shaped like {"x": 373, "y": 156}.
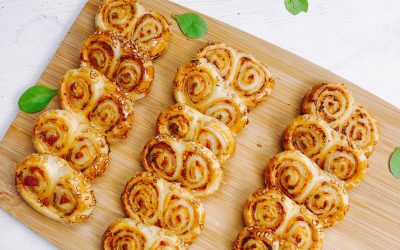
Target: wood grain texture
{"x": 373, "y": 221}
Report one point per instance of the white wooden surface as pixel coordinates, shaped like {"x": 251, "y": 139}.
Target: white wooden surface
{"x": 358, "y": 39}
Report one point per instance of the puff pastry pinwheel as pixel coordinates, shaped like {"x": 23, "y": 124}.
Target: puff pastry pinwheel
{"x": 260, "y": 238}
{"x": 130, "y": 234}
{"x": 150, "y": 30}
{"x": 198, "y": 84}
{"x": 60, "y": 133}
{"x": 53, "y": 188}
{"x": 335, "y": 104}
{"x": 194, "y": 166}
{"x": 328, "y": 148}
{"x": 273, "y": 210}
{"x": 90, "y": 95}
{"x": 120, "y": 61}
{"x": 185, "y": 122}
{"x": 303, "y": 181}
{"x": 156, "y": 201}
{"x": 243, "y": 73}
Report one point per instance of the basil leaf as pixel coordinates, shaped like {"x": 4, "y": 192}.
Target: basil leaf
{"x": 394, "y": 163}
{"x": 191, "y": 25}
{"x": 296, "y": 6}
{"x": 36, "y": 98}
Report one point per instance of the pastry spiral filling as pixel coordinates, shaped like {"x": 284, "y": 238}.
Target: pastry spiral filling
{"x": 260, "y": 238}
{"x": 188, "y": 163}
{"x": 221, "y": 57}
{"x": 161, "y": 158}
{"x": 179, "y": 214}
{"x": 132, "y": 234}
{"x": 106, "y": 114}
{"x": 117, "y": 15}
{"x": 330, "y": 102}
{"x": 64, "y": 198}
{"x": 155, "y": 201}
{"x": 199, "y": 85}
{"x": 342, "y": 162}
{"x": 361, "y": 130}
{"x": 300, "y": 232}
{"x": 323, "y": 194}
{"x": 294, "y": 177}
{"x": 78, "y": 92}
{"x": 148, "y": 27}
{"x": 126, "y": 239}
{"x": 250, "y": 79}
{"x": 310, "y": 139}
{"x": 52, "y": 187}
{"x": 141, "y": 199}
{"x": 129, "y": 73}
{"x": 224, "y": 110}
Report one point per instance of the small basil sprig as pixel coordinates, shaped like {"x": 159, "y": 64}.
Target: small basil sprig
{"x": 36, "y": 98}
{"x": 191, "y": 25}
{"x": 296, "y": 6}
{"x": 394, "y": 163}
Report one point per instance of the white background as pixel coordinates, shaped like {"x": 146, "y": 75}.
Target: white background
{"x": 357, "y": 39}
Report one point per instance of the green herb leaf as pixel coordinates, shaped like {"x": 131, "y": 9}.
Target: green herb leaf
{"x": 296, "y": 6}
{"x": 395, "y": 163}
{"x": 36, "y": 98}
{"x": 191, "y": 25}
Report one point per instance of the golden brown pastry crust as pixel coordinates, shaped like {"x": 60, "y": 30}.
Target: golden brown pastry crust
{"x": 328, "y": 148}
{"x": 334, "y": 103}
{"x": 243, "y": 73}
{"x": 90, "y": 95}
{"x": 273, "y": 210}
{"x": 304, "y": 182}
{"x": 155, "y": 201}
{"x": 192, "y": 165}
{"x": 53, "y": 188}
{"x": 60, "y": 133}
{"x": 199, "y": 85}
{"x": 120, "y": 61}
{"x": 131, "y": 234}
{"x": 256, "y": 237}
{"x": 150, "y": 30}
{"x": 182, "y": 121}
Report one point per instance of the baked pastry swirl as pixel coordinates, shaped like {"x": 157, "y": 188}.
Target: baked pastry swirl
{"x": 192, "y": 165}
{"x": 128, "y": 18}
{"x": 60, "y": 133}
{"x": 198, "y": 84}
{"x": 185, "y": 122}
{"x": 328, "y": 148}
{"x": 155, "y": 201}
{"x": 300, "y": 179}
{"x": 273, "y": 210}
{"x": 120, "y": 61}
{"x": 260, "y": 238}
{"x": 53, "y": 188}
{"x": 130, "y": 234}
{"x": 335, "y": 104}
{"x": 243, "y": 73}
{"x": 90, "y": 95}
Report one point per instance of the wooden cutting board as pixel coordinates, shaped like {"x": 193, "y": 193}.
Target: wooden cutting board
{"x": 373, "y": 221}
